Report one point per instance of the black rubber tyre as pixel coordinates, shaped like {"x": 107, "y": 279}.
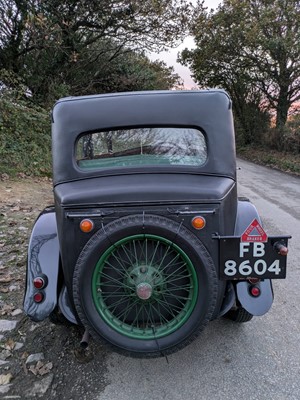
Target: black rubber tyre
{"x": 239, "y": 315}
{"x": 191, "y": 324}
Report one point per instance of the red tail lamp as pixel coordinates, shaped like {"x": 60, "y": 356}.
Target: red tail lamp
{"x": 39, "y": 282}
{"x": 86, "y": 225}
{"x": 255, "y": 291}
{"x": 38, "y": 297}
{"x": 198, "y": 222}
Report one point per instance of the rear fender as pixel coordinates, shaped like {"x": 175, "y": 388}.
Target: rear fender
{"x": 255, "y": 305}
{"x": 43, "y": 260}
{"x": 246, "y": 213}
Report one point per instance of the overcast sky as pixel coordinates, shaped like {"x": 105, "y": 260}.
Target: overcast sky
{"x": 171, "y": 56}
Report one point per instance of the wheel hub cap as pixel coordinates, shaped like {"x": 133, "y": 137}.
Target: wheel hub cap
{"x": 144, "y": 290}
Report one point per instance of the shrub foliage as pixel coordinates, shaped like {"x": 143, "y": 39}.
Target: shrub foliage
{"x": 25, "y": 141}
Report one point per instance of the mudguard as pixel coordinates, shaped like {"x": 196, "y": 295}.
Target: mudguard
{"x": 65, "y": 306}
{"x": 246, "y": 213}
{"x": 43, "y": 260}
{"x": 229, "y": 299}
{"x": 255, "y": 305}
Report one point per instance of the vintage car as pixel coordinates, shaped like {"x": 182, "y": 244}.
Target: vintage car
{"x": 148, "y": 241}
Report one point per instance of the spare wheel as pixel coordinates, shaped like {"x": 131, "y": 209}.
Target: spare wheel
{"x": 145, "y": 285}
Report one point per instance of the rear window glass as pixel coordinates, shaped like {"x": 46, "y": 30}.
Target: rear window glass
{"x": 141, "y": 146}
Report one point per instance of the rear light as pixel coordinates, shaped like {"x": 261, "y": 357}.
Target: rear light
{"x": 254, "y": 291}
{"x": 39, "y": 282}
{"x": 86, "y": 225}
{"x": 38, "y": 297}
{"x": 198, "y": 223}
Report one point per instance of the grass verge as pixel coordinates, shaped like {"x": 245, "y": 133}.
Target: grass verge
{"x": 285, "y": 162}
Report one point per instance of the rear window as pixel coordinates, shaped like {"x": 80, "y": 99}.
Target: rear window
{"x": 141, "y": 147}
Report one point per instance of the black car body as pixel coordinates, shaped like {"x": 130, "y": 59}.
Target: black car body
{"x": 148, "y": 241}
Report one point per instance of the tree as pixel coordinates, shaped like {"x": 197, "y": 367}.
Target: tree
{"x": 44, "y": 42}
{"x": 127, "y": 72}
{"x": 250, "y": 45}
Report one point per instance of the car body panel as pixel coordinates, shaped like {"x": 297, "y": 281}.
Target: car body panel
{"x": 255, "y": 305}
{"x": 246, "y": 213}
{"x": 43, "y": 260}
{"x": 144, "y": 188}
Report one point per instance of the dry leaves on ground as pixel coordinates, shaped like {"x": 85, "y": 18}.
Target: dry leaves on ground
{"x": 9, "y": 345}
{"x": 7, "y": 309}
{"x": 41, "y": 368}
{"x": 5, "y": 379}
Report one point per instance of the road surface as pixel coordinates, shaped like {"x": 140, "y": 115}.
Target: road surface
{"x": 256, "y": 360}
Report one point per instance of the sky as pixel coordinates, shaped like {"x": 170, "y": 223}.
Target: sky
{"x": 170, "y": 57}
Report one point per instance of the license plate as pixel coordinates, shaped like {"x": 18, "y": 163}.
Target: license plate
{"x": 242, "y": 260}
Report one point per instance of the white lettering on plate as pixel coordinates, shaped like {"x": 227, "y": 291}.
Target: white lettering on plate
{"x": 258, "y": 249}
{"x": 244, "y": 248}
{"x": 260, "y": 267}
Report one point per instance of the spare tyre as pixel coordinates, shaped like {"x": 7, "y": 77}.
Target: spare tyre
{"x": 145, "y": 284}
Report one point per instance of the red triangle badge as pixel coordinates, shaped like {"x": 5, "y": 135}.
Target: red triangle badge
{"x": 254, "y": 233}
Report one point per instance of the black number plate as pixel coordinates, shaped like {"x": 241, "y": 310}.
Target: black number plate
{"x": 242, "y": 260}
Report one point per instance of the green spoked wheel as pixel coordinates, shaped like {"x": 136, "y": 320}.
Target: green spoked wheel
{"x": 145, "y": 285}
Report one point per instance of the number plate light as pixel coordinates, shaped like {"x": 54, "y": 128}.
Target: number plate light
{"x": 253, "y": 281}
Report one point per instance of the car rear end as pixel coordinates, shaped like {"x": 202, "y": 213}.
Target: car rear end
{"x": 150, "y": 184}
{"x": 145, "y": 197}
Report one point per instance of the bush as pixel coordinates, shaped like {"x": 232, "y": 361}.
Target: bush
{"x": 272, "y": 158}
{"x": 25, "y": 141}
{"x": 250, "y": 124}
{"x": 292, "y": 136}
{"x": 286, "y": 139}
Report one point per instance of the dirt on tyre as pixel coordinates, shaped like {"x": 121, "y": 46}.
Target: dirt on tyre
{"x": 145, "y": 285}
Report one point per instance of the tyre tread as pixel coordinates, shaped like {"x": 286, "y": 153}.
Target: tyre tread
{"x": 239, "y": 315}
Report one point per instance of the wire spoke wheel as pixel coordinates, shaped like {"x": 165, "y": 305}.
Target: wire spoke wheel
{"x": 144, "y": 286}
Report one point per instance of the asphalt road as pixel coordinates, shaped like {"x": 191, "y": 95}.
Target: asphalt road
{"x": 256, "y": 360}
